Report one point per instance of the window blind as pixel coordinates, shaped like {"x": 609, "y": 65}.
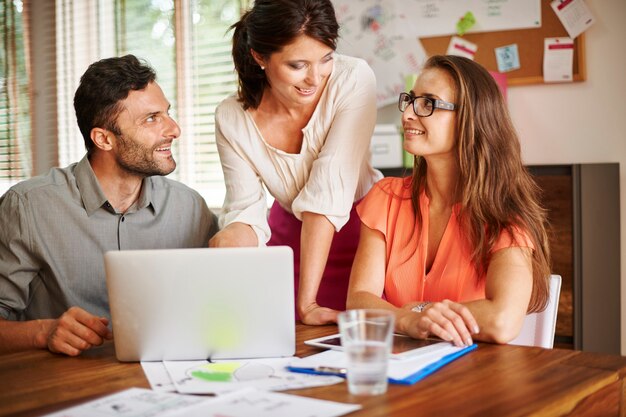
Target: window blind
{"x": 189, "y": 46}
{"x": 187, "y": 42}
{"x": 15, "y": 120}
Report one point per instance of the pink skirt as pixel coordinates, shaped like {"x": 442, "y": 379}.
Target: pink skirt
{"x": 286, "y": 230}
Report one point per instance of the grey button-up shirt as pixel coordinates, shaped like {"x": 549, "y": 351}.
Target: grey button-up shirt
{"x": 54, "y": 230}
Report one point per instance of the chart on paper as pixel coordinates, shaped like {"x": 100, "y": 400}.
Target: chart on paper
{"x": 202, "y": 377}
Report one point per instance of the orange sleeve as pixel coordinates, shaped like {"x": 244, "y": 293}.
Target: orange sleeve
{"x": 373, "y": 209}
{"x": 520, "y": 239}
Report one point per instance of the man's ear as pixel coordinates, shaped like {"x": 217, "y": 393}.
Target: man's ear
{"x": 102, "y": 138}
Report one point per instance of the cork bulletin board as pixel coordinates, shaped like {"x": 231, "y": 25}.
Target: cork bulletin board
{"x": 530, "y": 44}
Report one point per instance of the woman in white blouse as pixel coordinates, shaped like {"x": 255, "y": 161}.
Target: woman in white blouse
{"x": 300, "y": 125}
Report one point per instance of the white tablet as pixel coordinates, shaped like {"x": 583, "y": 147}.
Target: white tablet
{"x": 403, "y": 346}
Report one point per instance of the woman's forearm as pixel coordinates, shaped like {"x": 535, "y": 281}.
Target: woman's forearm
{"x": 316, "y": 238}
{"x": 234, "y": 235}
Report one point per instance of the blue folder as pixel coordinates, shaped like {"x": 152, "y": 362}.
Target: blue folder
{"x": 409, "y": 380}
{"x": 424, "y": 372}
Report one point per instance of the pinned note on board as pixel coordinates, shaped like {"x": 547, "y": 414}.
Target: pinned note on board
{"x": 465, "y": 23}
{"x": 507, "y": 58}
{"x": 574, "y": 15}
{"x": 558, "y": 59}
{"x": 462, "y": 47}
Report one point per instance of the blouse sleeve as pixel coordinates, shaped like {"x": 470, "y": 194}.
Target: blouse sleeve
{"x": 520, "y": 239}
{"x": 331, "y": 187}
{"x": 373, "y": 210}
{"x": 245, "y": 200}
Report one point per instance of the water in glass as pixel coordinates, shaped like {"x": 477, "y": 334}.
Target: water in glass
{"x": 367, "y": 372}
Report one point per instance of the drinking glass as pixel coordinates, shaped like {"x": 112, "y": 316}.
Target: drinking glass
{"x": 366, "y": 336}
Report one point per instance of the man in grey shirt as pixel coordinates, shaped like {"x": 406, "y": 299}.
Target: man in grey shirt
{"x": 54, "y": 229}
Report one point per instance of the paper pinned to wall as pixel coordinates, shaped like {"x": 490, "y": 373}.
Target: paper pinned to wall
{"x": 465, "y": 23}
{"x": 558, "y": 60}
{"x": 574, "y": 14}
{"x": 462, "y": 47}
{"x": 508, "y": 58}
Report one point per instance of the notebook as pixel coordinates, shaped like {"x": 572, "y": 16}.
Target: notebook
{"x": 206, "y": 303}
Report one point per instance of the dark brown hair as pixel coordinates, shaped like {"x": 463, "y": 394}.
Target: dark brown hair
{"x": 267, "y": 28}
{"x": 495, "y": 190}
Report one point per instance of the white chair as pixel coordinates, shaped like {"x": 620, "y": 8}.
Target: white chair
{"x": 538, "y": 328}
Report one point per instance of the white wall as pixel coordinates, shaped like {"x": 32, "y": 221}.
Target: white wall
{"x": 582, "y": 122}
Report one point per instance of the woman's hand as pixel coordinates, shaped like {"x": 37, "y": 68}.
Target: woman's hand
{"x": 316, "y": 315}
{"x": 447, "y": 320}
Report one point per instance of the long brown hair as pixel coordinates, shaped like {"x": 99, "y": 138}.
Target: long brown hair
{"x": 495, "y": 191}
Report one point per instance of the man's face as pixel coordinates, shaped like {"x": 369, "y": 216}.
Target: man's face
{"x": 147, "y": 131}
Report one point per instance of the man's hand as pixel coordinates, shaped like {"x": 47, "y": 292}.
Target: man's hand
{"x": 76, "y": 331}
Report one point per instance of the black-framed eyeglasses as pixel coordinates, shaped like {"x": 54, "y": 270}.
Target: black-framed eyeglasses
{"x": 423, "y": 106}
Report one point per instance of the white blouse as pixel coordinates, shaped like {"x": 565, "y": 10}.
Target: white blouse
{"x": 332, "y": 170}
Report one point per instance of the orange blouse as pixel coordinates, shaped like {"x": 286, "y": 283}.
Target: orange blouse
{"x": 388, "y": 208}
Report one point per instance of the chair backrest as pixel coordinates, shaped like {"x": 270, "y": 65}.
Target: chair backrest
{"x": 538, "y": 328}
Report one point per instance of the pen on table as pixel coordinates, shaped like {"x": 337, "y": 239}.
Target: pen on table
{"x": 318, "y": 370}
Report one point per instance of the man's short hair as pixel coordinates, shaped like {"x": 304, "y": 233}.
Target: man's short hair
{"x": 102, "y": 87}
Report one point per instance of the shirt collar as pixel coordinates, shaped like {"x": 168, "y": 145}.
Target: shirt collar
{"x": 94, "y": 198}
{"x": 146, "y": 198}
{"x": 90, "y": 192}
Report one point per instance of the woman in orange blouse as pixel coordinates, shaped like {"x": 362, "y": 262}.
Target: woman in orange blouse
{"x": 459, "y": 250}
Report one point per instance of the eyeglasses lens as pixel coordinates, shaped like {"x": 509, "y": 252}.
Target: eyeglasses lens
{"x": 423, "y": 106}
{"x": 404, "y": 101}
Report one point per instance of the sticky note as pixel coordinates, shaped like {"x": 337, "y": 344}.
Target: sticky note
{"x": 216, "y": 372}
{"x": 507, "y": 58}
{"x": 465, "y": 23}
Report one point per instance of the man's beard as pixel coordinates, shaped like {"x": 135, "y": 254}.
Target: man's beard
{"x": 140, "y": 160}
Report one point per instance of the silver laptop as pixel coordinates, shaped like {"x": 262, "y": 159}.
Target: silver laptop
{"x": 209, "y": 303}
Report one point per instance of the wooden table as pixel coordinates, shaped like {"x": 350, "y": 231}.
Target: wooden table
{"x": 491, "y": 381}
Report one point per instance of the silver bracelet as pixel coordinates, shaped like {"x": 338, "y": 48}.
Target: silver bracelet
{"x": 420, "y": 307}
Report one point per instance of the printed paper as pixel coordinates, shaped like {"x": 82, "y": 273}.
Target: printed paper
{"x": 574, "y": 15}
{"x": 558, "y": 60}
{"x": 157, "y": 376}
{"x": 140, "y": 402}
{"x": 133, "y": 402}
{"x": 461, "y": 47}
{"x": 202, "y": 377}
{"x": 256, "y": 403}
